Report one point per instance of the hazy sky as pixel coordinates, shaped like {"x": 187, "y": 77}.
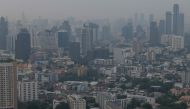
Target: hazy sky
{"x": 88, "y": 8}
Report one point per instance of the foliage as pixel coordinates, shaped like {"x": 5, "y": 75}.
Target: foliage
{"x": 63, "y": 106}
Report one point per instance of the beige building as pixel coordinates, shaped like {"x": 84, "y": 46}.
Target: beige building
{"x": 8, "y": 85}
{"x": 75, "y": 102}
{"x": 27, "y": 91}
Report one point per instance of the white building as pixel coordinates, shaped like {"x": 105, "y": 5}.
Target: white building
{"x": 185, "y": 76}
{"x": 75, "y": 102}
{"x": 121, "y": 54}
{"x": 102, "y": 98}
{"x": 27, "y": 91}
{"x": 176, "y": 42}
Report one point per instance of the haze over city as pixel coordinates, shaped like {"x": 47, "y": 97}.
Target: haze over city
{"x": 88, "y": 9}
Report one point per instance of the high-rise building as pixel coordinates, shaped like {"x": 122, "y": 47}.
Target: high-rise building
{"x": 3, "y": 33}
{"x": 28, "y": 91}
{"x": 74, "y": 50}
{"x": 154, "y": 34}
{"x": 127, "y": 32}
{"x": 47, "y": 40}
{"x": 63, "y": 39}
{"x": 151, "y": 18}
{"x": 66, "y": 26}
{"x": 176, "y": 19}
{"x": 88, "y": 33}
{"x": 168, "y": 22}
{"x": 181, "y": 24}
{"x": 23, "y": 45}
{"x": 162, "y": 27}
{"x": 8, "y": 84}
{"x": 86, "y": 44}
{"x": 94, "y": 28}
{"x": 106, "y": 32}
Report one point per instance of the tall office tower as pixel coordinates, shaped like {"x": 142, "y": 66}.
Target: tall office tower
{"x": 176, "y": 19}
{"x": 22, "y": 45}
{"x": 154, "y": 34}
{"x": 106, "y": 32}
{"x": 168, "y": 23}
{"x": 8, "y": 84}
{"x": 63, "y": 39}
{"x": 66, "y": 26}
{"x": 142, "y": 20}
{"x": 47, "y": 40}
{"x": 151, "y": 18}
{"x": 94, "y": 28}
{"x": 127, "y": 32}
{"x": 162, "y": 27}
{"x": 86, "y": 44}
{"x": 136, "y": 19}
{"x": 74, "y": 50}
{"x": 3, "y": 33}
{"x": 181, "y": 24}
{"x": 88, "y": 33}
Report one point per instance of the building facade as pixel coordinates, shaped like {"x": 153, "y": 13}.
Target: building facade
{"x": 8, "y": 87}
{"x": 27, "y": 91}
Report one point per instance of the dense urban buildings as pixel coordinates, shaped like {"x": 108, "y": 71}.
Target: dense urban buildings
{"x": 134, "y": 62}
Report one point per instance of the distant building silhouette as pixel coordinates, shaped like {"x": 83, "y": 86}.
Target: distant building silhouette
{"x": 3, "y": 33}
{"x": 168, "y": 22}
{"x": 63, "y": 39}
{"x": 162, "y": 27}
{"x": 127, "y": 32}
{"x": 22, "y": 45}
{"x": 106, "y": 32}
{"x": 66, "y": 26}
{"x": 176, "y": 19}
{"x": 74, "y": 50}
{"x": 181, "y": 24}
{"x": 88, "y": 37}
{"x": 154, "y": 34}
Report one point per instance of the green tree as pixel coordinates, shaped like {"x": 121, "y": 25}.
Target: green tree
{"x": 147, "y": 106}
{"x": 63, "y": 106}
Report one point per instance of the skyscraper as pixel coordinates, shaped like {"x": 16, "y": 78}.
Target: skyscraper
{"x": 88, "y": 34}
{"x": 176, "y": 19}
{"x": 86, "y": 43}
{"x": 8, "y": 84}
{"x": 22, "y": 45}
{"x": 106, "y": 32}
{"x": 94, "y": 32}
{"x": 168, "y": 22}
{"x": 154, "y": 34}
{"x": 151, "y": 18}
{"x": 127, "y": 32}
{"x": 74, "y": 50}
{"x": 3, "y": 33}
{"x": 181, "y": 24}
{"x": 66, "y": 26}
{"x": 162, "y": 27}
{"x": 63, "y": 39}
